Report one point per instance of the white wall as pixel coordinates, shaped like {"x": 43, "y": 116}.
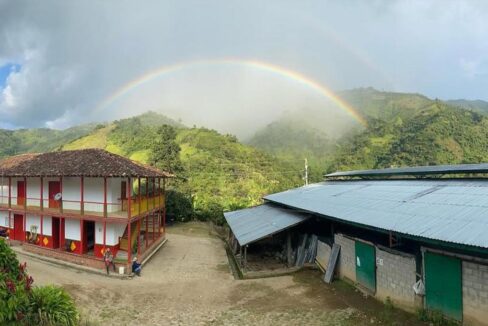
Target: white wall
{"x": 33, "y": 220}
{"x": 72, "y": 229}
{"x": 47, "y": 226}
{"x": 112, "y": 234}
{"x": 72, "y": 194}
{"x": 4, "y": 219}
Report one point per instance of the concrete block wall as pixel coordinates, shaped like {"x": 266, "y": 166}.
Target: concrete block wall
{"x": 347, "y": 258}
{"x": 475, "y": 293}
{"x": 395, "y": 277}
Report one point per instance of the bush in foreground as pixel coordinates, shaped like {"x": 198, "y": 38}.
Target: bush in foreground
{"x": 23, "y": 304}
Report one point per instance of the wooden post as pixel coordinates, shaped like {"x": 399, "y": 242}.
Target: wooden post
{"x": 129, "y": 208}
{"x": 104, "y": 235}
{"x": 147, "y": 194}
{"x": 240, "y": 255}
{"x": 164, "y": 203}
{"x": 129, "y": 199}
{"x": 159, "y": 207}
{"x": 139, "y": 194}
{"x": 82, "y": 195}
{"x": 105, "y": 197}
{"x": 9, "y": 224}
{"x": 81, "y": 235}
{"x": 288, "y": 248}
{"x": 24, "y": 221}
{"x": 42, "y": 228}
{"x": 245, "y": 256}
{"x": 9, "y": 192}
{"x": 146, "y": 233}
{"x": 62, "y": 198}
{"x": 138, "y": 237}
{"x": 25, "y": 194}
{"x": 42, "y": 194}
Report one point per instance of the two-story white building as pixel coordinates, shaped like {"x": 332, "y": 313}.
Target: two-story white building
{"x": 72, "y": 204}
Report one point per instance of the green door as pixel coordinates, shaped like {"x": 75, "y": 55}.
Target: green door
{"x": 443, "y": 288}
{"x": 366, "y": 265}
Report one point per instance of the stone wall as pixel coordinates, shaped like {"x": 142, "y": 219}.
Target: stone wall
{"x": 346, "y": 266}
{"x": 475, "y": 293}
{"x": 395, "y": 277}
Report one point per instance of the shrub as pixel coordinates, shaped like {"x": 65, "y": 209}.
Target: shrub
{"x": 51, "y": 305}
{"x": 23, "y": 304}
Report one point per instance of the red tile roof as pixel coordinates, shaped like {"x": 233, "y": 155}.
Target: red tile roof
{"x": 84, "y": 162}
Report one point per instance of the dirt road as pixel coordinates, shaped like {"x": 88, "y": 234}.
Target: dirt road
{"x": 188, "y": 282}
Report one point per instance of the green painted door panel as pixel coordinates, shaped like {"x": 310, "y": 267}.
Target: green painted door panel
{"x": 443, "y": 284}
{"x": 366, "y": 265}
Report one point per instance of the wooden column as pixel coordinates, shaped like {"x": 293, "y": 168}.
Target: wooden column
{"x": 104, "y": 235}
{"x": 129, "y": 204}
{"x": 82, "y": 196}
{"x": 104, "y": 196}
{"x": 139, "y": 194}
{"x": 9, "y": 192}
{"x": 138, "y": 237}
{"x": 25, "y": 194}
{"x": 81, "y": 236}
{"x": 147, "y": 234}
{"x": 42, "y": 228}
{"x": 245, "y": 256}
{"x": 288, "y": 248}
{"x": 62, "y": 197}
{"x": 164, "y": 208}
{"x": 159, "y": 207}
{"x": 42, "y": 195}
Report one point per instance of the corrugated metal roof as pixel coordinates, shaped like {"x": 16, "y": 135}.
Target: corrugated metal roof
{"x": 255, "y": 223}
{"x": 447, "y": 210}
{"x": 417, "y": 170}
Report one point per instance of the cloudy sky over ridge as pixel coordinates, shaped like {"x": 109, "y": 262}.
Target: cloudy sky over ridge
{"x": 60, "y": 61}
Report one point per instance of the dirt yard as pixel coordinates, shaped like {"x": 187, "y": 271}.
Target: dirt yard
{"x": 188, "y": 282}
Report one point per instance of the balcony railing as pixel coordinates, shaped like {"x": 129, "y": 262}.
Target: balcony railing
{"x": 91, "y": 208}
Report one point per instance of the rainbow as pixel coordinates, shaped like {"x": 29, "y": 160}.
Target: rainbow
{"x": 264, "y": 66}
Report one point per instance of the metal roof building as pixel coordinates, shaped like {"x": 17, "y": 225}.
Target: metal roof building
{"x": 252, "y": 224}
{"x": 447, "y": 210}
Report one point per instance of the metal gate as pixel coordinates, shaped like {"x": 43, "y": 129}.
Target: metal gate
{"x": 366, "y": 265}
{"x": 443, "y": 284}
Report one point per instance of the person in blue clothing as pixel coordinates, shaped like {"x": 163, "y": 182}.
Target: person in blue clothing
{"x": 136, "y": 267}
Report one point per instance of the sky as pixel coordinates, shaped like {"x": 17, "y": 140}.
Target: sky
{"x": 68, "y": 62}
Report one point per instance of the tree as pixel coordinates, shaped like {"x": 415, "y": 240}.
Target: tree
{"x": 165, "y": 152}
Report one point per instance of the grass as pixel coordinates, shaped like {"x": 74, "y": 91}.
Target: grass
{"x": 97, "y": 139}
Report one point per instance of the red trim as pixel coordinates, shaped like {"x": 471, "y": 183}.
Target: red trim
{"x": 105, "y": 197}
{"x": 41, "y": 200}
{"x": 82, "y": 195}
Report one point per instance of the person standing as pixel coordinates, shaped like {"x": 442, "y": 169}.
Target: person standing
{"x": 108, "y": 258}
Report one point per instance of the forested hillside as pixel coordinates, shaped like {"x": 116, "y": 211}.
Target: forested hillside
{"x": 437, "y": 134}
{"x": 218, "y": 171}
{"x": 38, "y": 140}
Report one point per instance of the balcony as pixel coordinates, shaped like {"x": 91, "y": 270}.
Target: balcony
{"x": 119, "y": 209}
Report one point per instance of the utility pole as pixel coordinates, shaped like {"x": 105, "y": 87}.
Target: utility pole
{"x": 306, "y": 172}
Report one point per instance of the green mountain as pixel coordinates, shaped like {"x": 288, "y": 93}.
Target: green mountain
{"x": 475, "y": 105}
{"x": 302, "y": 134}
{"x": 220, "y": 172}
{"x": 436, "y": 134}
{"x": 39, "y": 140}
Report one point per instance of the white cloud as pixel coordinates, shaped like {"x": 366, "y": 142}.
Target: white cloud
{"x": 75, "y": 54}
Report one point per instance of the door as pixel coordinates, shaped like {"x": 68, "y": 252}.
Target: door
{"x": 19, "y": 227}
{"x": 20, "y": 193}
{"x": 88, "y": 235}
{"x": 54, "y": 188}
{"x": 55, "y": 232}
{"x": 443, "y": 284}
{"x": 366, "y": 265}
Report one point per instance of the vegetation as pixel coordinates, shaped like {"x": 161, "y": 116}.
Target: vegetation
{"x": 216, "y": 171}
{"x": 439, "y": 134}
{"x": 38, "y": 140}
{"x": 23, "y": 304}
